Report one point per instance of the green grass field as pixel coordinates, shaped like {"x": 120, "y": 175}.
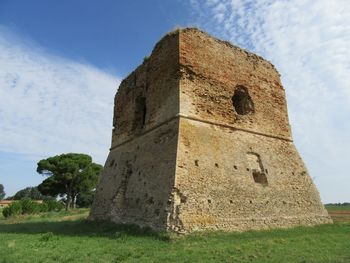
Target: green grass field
{"x": 68, "y": 237}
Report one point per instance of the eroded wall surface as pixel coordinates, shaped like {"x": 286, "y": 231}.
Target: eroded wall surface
{"x": 237, "y": 166}
{"x": 234, "y": 180}
{"x": 149, "y": 96}
{"x": 138, "y": 176}
{"x": 211, "y": 72}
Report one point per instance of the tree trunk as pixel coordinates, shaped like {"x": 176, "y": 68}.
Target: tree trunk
{"x": 74, "y": 200}
{"x": 68, "y": 202}
{"x": 69, "y": 198}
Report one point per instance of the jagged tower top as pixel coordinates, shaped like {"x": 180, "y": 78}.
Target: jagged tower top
{"x": 241, "y": 89}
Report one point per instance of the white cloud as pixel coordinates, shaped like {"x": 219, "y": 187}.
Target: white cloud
{"x": 308, "y": 41}
{"x": 51, "y": 105}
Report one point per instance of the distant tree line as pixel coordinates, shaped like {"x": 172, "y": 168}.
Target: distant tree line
{"x": 338, "y": 204}
{"x": 2, "y": 192}
{"x": 29, "y": 192}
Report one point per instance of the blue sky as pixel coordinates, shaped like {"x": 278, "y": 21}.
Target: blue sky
{"x": 113, "y": 35}
{"x": 61, "y": 63}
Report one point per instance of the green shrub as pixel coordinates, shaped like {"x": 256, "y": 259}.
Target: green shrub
{"x": 54, "y": 205}
{"x": 49, "y": 236}
{"x": 29, "y": 206}
{"x": 13, "y": 209}
{"x": 44, "y": 207}
{"x": 6, "y": 212}
{"x": 85, "y": 199}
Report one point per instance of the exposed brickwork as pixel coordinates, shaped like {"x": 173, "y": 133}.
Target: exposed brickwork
{"x": 202, "y": 140}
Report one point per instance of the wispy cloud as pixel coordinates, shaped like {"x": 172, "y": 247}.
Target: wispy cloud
{"x": 51, "y": 105}
{"x": 308, "y": 41}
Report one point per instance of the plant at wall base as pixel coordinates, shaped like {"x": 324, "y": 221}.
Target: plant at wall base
{"x": 85, "y": 199}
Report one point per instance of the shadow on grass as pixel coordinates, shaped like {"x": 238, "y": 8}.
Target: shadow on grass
{"x": 82, "y": 228}
{"x": 115, "y": 231}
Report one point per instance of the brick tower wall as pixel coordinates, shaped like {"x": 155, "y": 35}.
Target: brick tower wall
{"x": 139, "y": 173}
{"x": 237, "y": 171}
{"x": 201, "y": 140}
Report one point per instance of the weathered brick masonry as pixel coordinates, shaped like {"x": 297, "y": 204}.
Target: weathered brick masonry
{"x": 201, "y": 140}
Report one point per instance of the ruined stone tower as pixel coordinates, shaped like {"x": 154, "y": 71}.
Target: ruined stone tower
{"x": 201, "y": 140}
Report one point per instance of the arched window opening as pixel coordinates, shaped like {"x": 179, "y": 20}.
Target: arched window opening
{"x": 140, "y": 113}
{"x": 242, "y": 102}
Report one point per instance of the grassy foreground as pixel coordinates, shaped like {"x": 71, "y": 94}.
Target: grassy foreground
{"x": 67, "y": 237}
